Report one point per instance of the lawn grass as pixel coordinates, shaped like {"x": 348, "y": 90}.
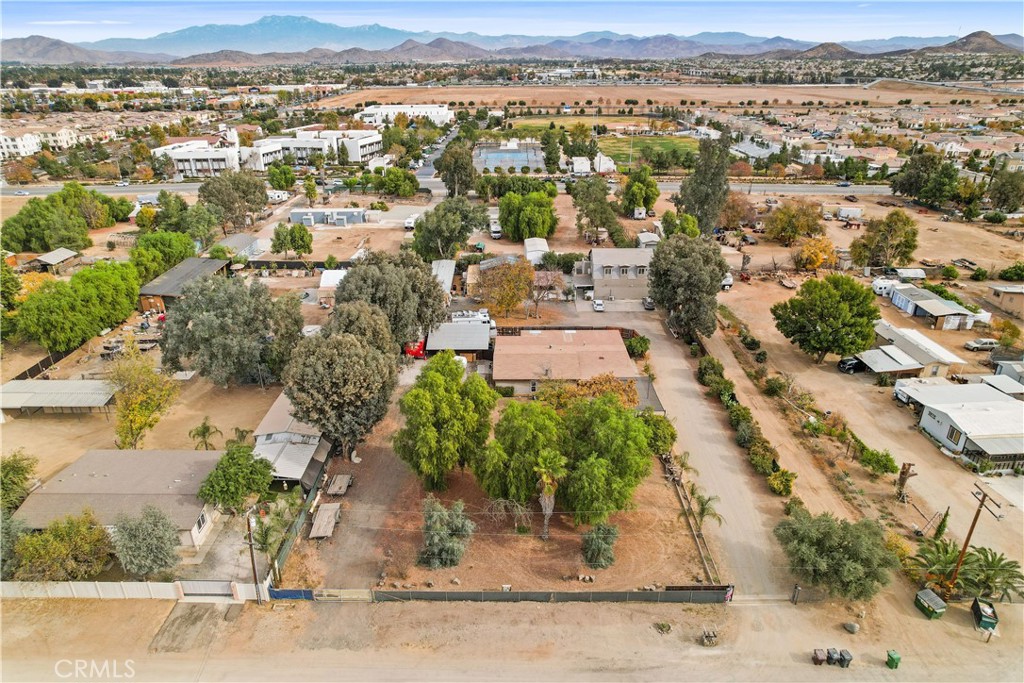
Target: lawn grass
{"x": 618, "y": 148}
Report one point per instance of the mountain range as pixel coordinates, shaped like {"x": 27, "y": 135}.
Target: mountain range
{"x": 286, "y": 36}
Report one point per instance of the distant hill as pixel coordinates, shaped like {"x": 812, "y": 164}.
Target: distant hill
{"x": 1014, "y": 40}
{"x": 43, "y": 50}
{"x": 979, "y": 42}
{"x": 829, "y": 51}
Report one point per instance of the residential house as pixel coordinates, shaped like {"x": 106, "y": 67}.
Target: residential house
{"x": 904, "y": 352}
{"x": 199, "y": 158}
{"x": 941, "y": 314}
{"x": 297, "y": 450}
{"x": 469, "y": 339}
{"x": 164, "y": 289}
{"x": 19, "y": 146}
{"x": 1007, "y": 298}
{"x": 112, "y": 483}
{"x": 340, "y": 218}
{"x": 615, "y": 273}
{"x": 1014, "y": 369}
{"x": 978, "y": 430}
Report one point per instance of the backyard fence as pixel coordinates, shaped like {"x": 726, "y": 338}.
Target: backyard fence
{"x": 184, "y": 591}
{"x": 300, "y": 520}
{"x": 44, "y": 364}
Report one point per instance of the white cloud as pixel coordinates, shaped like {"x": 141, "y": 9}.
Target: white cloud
{"x": 79, "y": 22}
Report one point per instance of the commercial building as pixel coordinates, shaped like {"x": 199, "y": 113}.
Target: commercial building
{"x": 199, "y": 159}
{"x": 379, "y": 114}
{"x": 162, "y": 291}
{"x": 112, "y": 483}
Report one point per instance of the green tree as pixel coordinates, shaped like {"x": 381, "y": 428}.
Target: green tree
{"x": 551, "y": 468}
{"x": 834, "y": 315}
{"x": 74, "y": 548}
{"x": 793, "y": 220}
{"x": 203, "y": 434}
{"x": 598, "y": 546}
{"x": 286, "y": 323}
{"x": 686, "y": 276}
{"x": 886, "y": 242}
{"x": 608, "y": 450}
{"x": 238, "y": 475}
{"x": 43, "y": 225}
{"x": 301, "y": 240}
{"x": 848, "y": 560}
{"x": 663, "y": 433}
{"x": 878, "y": 462}
{"x": 446, "y": 532}
{"x": 341, "y": 384}
{"x": 364, "y": 321}
{"x": 399, "y": 182}
{"x": 915, "y": 174}
{"x": 532, "y": 215}
{"x": 525, "y": 432}
{"x": 593, "y": 212}
{"x": 16, "y": 475}
{"x": 404, "y": 288}
{"x": 552, "y": 151}
{"x": 221, "y": 328}
{"x": 455, "y": 167}
{"x": 10, "y": 288}
{"x": 236, "y": 194}
{"x": 142, "y": 395}
{"x": 992, "y": 575}
{"x": 941, "y": 185}
{"x": 146, "y": 544}
{"x": 281, "y": 177}
{"x": 1007, "y": 190}
{"x": 442, "y": 425}
{"x": 641, "y": 190}
{"x": 281, "y": 242}
{"x": 11, "y": 530}
{"x": 704, "y": 508}
{"x": 940, "y": 528}
{"x": 162, "y": 249}
{"x": 704, "y": 192}
{"x": 309, "y": 189}
{"x": 440, "y": 233}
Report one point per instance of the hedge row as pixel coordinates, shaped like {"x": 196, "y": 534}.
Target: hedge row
{"x": 762, "y": 455}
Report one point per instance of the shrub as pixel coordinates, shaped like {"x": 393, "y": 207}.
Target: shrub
{"x": 110, "y": 245}
{"x": 694, "y": 349}
{"x": 750, "y": 343}
{"x": 445, "y": 534}
{"x": 761, "y": 356}
{"x": 950, "y": 273}
{"x": 598, "y": 546}
{"x": 979, "y": 275}
{"x": 884, "y": 380}
{"x": 994, "y": 217}
{"x": 709, "y": 368}
{"x": 506, "y": 392}
{"x": 879, "y": 462}
{"x": 745, "y": 434}
{"x": 814, "y": 427}
{"x": 1014, "y": 273}
{"x": 792, "y": 505}
{"x": 637, "y": 347}
{"x": 775, "y": 386}
{"x": 525, "y": 170}
{"x": 722, "y": 388}
{"x": 379, "y": 206}
{"x": 762, "y": 456}
{"x": 738, "y": 414}
{"x": 781, "y": 482}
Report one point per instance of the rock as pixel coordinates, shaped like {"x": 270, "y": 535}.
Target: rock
{"x": 456, "y": 581}
{"x": 430, "y": 584}
{"x": 851, "y": 627}
{"x": 394, "y": 584}
{"x": 406, "y": 586}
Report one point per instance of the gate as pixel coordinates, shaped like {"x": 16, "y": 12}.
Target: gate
{"x": 218, "y": 589}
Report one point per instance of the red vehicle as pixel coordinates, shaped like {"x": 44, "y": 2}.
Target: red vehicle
{"x": 417, "y": 349}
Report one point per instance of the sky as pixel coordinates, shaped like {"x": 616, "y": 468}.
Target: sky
{"x": 817, "y": 20}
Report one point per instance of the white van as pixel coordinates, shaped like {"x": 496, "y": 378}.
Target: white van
{"x": 410, "y": 222}
{"x": 495, "y": 230}
{"x": 727, "y": 282}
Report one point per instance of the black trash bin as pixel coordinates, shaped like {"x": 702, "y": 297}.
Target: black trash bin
{"x": 844, "y": 659}
{"x": 832, "y": 656}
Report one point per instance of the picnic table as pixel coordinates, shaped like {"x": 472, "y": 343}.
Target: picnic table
{"x": 325, "y": 520}
{"x": 339, "y": 484}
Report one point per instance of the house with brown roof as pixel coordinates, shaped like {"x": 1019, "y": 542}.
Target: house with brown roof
{"x": 524, "y": 361}
{"x": 116, "y": 482}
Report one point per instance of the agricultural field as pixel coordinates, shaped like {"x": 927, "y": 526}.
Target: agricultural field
{"x": 618, "y": 147}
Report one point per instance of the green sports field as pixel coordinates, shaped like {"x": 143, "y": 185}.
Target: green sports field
{"x": 618, "y": 148}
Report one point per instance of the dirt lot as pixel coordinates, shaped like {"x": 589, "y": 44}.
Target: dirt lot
{"x": 887, "y": 94}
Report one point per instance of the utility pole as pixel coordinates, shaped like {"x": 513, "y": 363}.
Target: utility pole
{"x": 983, "y": 498}
{"x": 901, "y": 483}
{"x": 250, "y": 523}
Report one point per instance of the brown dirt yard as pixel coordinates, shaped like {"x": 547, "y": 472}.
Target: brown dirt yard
{"x": 886, "y": 94}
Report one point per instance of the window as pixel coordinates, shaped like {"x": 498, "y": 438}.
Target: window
{"x": 202, "y": 521}
{"x": 641, "y": 270}
{"x": 533, "y": 386}
{"x": 953, "y": 435}
{"x": 623, "y": 271}
{"x": 935, "y": 370}
{"x": 607, "y": 270}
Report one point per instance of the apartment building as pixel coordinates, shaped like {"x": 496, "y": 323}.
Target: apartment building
{"x": 199, "y": 159}
{"x": 379, "y": 114}
{"x": 19, "y": 146}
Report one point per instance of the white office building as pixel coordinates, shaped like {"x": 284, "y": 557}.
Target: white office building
{"x": 379, "y": 114}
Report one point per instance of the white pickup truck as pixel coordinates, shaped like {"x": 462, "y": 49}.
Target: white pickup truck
{"x": 410, "y": 222}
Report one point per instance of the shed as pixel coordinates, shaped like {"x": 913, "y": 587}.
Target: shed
{"x": 648, "y": 240}
{"x": 55, "y": 261}
{"x": 329, "y": 281}
{"x": 444, "y": 272}
{"x": 534, "y": 249}
{"x": 56, "y": 395}
{"x": 157, "y": 294}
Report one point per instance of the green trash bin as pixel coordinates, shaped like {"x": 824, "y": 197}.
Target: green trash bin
{"x": 892, "y": 659}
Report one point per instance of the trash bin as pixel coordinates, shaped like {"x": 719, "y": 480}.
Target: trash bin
{"x": 832, "y": 656}
{"x": 844, "y": 659}
{"x": 892, "y": 659}
{"x": 818, "y": 657}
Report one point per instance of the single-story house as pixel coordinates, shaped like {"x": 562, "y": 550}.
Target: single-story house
{"x": 1008, "y": 298}
{"x": 115, "y": 482}
{"x": 297, "y": 450}
{"x": 1014, "y": 369}
{"x": 524, "y": 361}
{"x": 241, "y": 244}
{"x": 329, "y": 281}
{"x": 908, "y": 353}
{"x": 55, "y": 261}
{"x": 922, "y": 391}
{"x": 534, "y": 249}
{"x": 327, "y": 216}
{"x": 978, "y": 430}
{"x": 161, "y": 291}
{"x": 28, "y": 396}
{"x": 942, "y": 314}
{"x": 444, "y": 272}
{"x": 464, "y": 338}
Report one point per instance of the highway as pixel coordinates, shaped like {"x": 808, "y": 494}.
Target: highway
{"x": 424, "y": 175}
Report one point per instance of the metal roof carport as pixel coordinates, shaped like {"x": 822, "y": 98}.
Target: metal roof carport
{"x": 888, "y": 359}
{"x": 56, "y": 395}
{"x": 460, "y": 337}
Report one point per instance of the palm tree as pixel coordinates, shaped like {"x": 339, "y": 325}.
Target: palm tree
{"x": 551, "y": 468}
{"x": 704, "y": 508}
{"x": 240, "y": 438}
{"x": 936, "y": 559}
{"x": 203, "y": 434}
{"x": 683, "y": 461}
{"x": 992, "y": 575}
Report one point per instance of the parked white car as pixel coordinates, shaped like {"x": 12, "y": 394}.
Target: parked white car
{"x": 981, "y": 344}
{"x": 599, "y": 305}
